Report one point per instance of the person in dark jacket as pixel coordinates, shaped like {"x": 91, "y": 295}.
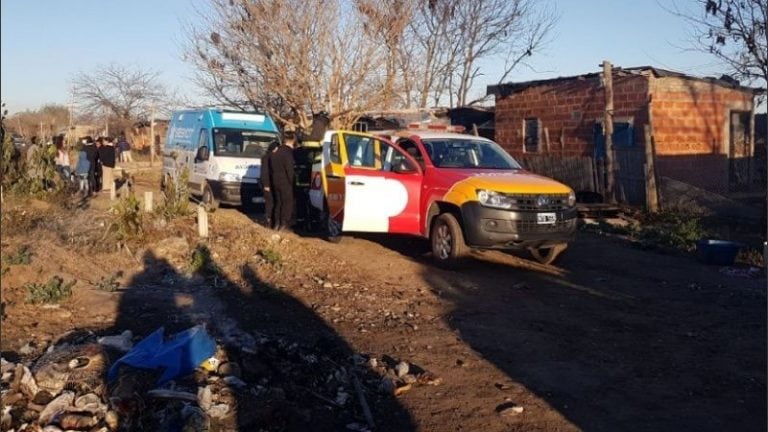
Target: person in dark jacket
{"x": 108, "y": 158}
{"x": 282, "y": 176}
{"x": 91, "y": 153}
{"x": 266, "y": 184}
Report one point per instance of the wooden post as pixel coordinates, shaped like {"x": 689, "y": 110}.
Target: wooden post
{"x": 546, "y": 138}
{"x": 562, "y": 142}
{"x": 152, "y": 135}
{"x": 202, "y": 222}
{"x": 148, "y": 204}
{"x": 651, "y": 193}
{"x": 522, "y": 135}
{"x": 608, "y": 130}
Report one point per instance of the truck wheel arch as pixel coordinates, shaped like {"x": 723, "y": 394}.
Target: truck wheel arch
{"x": 439, "y": 207}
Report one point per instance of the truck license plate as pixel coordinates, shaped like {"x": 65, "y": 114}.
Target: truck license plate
{"x": 546, "y": 218}
{"x": 257, "y": 200}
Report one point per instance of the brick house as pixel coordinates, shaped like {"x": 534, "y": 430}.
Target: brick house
{"x": 702, "y": 127}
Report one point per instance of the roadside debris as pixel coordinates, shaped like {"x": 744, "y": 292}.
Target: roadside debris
{"x": 194, "y": 381}
{"x": 509, "y": 409}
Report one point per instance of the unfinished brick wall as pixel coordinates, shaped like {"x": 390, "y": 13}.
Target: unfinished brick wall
{"x": 569, "y": 108}
{"x": 691, "y": 129}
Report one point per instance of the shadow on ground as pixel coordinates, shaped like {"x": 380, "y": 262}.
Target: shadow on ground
{"x": 298, "y": 373}
{"x": 618, "y": 339}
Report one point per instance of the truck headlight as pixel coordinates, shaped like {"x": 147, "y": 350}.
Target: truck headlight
{"x": 571, "y": 199}
{"x": 229, "y": 177}
{"x": 493, "y": 199}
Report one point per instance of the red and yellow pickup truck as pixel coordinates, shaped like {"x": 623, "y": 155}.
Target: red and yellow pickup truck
{"x": 459, "y": 191}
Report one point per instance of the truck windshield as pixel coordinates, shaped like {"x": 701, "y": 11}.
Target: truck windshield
{"x": 241, "y": 143}
{"x": 468, "y": 153}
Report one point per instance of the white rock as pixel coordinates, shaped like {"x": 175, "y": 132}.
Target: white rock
{"x": 402, "y": 369}
{"x": 90, "y": 403}
{"x": 60, "y": 404}
{"x": 204, "y": 397}
{"x": 218, "y": 411}
{"x": 6, "y": 366}
{"x": 28, "y": 385}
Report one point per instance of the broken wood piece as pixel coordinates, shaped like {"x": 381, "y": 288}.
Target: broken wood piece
{"x": 172, "y": 394}
{"x": 363, "y": 402}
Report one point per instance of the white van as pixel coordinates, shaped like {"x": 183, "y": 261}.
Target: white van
{"x": 221, "y": 151}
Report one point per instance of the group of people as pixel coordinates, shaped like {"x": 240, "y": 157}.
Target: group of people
{"x": 278, "y": 179}
{"x": 95, "y": 165}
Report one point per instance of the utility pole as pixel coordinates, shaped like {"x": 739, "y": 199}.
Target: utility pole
{"x": 608, "y": 130}
{"x": 71, "y": 139}
{"x": 152, "y": 134}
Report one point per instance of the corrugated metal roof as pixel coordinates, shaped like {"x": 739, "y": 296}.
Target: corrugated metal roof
{"x": 723, "y": 81}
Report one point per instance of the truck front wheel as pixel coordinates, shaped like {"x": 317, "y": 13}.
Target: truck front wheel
{"x": 209, "y": 201}
{"x": 447, "y": 240}
{"x": 547, "y": 255}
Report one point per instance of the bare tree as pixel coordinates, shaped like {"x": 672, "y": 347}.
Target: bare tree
{"x": 44, "y": 122}
{"x": 386, "y": 22}
{"x": 450, "y": 37}
{"x": 734, "y": 31}
{"x": 290, "y": 57}
{"x": 511, "y": 30}
{"x": 124, "y": 92}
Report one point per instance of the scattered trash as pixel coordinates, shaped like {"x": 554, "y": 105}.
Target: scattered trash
{"x": 122, "y": 342}
{"x": 190, "y": 383}
{"x": 27, "y": 349}
{"x": 402, "y": 369}
{"x": 177, "y": 357}
{"x": 402, "y": 389}
{"x": 509, "y": 409}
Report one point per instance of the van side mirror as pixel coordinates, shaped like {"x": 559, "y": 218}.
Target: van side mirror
{"x": 202, "y": 154}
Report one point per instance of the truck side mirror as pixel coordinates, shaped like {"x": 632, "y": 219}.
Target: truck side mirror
{"x": 202, "y": 154}
{"x": 404, "y": 166}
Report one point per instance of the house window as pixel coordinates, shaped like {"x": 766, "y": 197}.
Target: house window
{"x": 532, "y": 129}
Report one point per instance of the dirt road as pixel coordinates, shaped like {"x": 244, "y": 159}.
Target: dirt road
{"x": 611, "y": 338}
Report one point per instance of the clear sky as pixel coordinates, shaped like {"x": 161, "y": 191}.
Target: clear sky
{"x": 46, "y": 42}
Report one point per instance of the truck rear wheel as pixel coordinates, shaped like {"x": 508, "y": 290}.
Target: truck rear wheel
{"x": 547, "y": 255}
{"x": 447, "y": 240}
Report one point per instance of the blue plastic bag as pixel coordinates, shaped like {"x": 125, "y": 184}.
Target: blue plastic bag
{"x": 178, "y": 356}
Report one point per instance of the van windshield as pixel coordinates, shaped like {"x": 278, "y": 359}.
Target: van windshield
{"x": 468, "y": 153}
{"x": 241, "y": 142}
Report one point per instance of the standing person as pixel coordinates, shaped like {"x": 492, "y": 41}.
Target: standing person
{"x": 108, "y": 159}
{"x": 62, "y": 158}
{"x": 283, "y": 178}
{"x": 83, "y": 169}
{"x": 92, "y": 154}
{"x": 99, "y": 173}
{"x": 124, "y": 148}
{"x": 266, "y": 183}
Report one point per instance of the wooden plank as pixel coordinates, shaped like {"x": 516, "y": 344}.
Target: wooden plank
{"x": 608, "y": 130}
{"x": 651, "y": 192}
